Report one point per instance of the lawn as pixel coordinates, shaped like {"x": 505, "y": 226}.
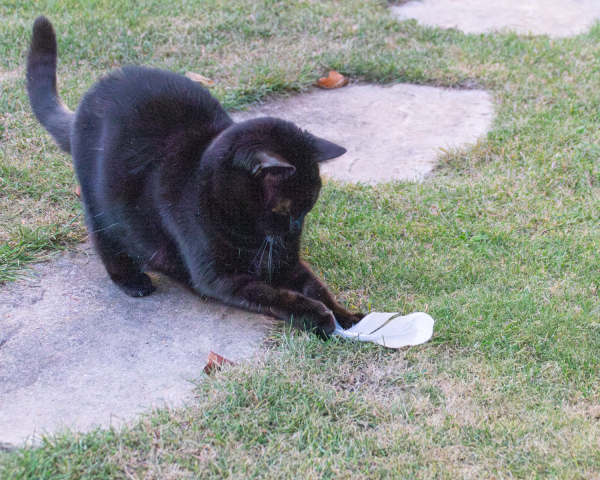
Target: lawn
{"x": 499, "y": 246}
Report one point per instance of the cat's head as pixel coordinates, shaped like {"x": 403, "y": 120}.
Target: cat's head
{"x": 266, "y": 175}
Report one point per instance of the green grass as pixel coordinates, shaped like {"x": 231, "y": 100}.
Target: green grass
{"x": 344, "y": 410}
{"x": 499, "y": 246}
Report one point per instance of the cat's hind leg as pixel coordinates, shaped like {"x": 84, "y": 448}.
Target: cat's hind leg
{"x": 123, "y": 270}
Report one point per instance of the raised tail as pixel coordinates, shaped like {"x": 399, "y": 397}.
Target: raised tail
{"x": 41, "y": 84}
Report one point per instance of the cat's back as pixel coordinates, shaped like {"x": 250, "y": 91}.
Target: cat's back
{"x": 136, "y": 119}
{"x": 149, "y": 95}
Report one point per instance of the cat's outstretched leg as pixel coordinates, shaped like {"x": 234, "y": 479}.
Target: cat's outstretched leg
{"x": 304, "y": 281}
{"x": 123, "y": 270}
{"x": 291, "y": 306}
{"x": 245, "y": 291}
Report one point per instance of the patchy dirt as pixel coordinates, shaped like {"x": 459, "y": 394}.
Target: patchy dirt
{"x": 557, "y": 18}
{"x": 75, "y": 351}
{"x": 390, "y": 132}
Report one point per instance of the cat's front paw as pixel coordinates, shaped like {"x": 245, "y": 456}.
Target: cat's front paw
{"x": 347, "y": 321}
{"x": 138, "y": 287}
{"x": 321, "y": 322}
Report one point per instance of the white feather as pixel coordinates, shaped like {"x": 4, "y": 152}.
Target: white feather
{"x": 413, "y": 329}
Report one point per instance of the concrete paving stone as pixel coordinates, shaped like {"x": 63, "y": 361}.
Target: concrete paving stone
{"x": 390, "y": 132}
{"x": 557, "y": 18}
{"x": 77, "y": 352}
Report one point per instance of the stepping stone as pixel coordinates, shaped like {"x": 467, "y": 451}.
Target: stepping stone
{"x": 557, "y": 18}
{"x": 75, "y": 351}
{"x": 390, "y": 132}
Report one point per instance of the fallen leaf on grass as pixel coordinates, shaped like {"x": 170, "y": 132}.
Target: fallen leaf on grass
{"x": 78, "y": 191}
{"x": 215, "y": 362}
{"x": 333, "y": 80}
{"x": 196, "y": 77}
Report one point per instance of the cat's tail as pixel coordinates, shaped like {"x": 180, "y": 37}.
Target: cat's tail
{"x": 41, "y": 84}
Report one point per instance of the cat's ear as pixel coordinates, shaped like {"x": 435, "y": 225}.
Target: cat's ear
{"x": 327, "y": 150}
{"x": 264, "y": 162}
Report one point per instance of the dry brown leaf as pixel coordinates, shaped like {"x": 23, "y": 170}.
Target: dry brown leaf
{"x": 78, "y": 191}
{"x": 333, "y": 80}
{"x": 215, "y": 362}
{"x": 196, "y": 77}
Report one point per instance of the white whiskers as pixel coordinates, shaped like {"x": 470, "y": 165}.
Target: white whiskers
{"x": 271, "y": 243}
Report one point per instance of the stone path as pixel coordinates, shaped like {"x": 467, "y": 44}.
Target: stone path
{"x": 558, "y": 18}
{"x": 76, "y": 352}
{"x": 390, "y": 132}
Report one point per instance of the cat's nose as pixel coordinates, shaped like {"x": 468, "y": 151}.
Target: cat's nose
{"x": 296, "y": 224}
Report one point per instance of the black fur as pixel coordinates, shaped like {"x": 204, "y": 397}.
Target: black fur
{"x": 170, "y": 183}
{"x": 41, "y": 84}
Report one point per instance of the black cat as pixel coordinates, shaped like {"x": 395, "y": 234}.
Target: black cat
{"x": 171, "y": 184}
